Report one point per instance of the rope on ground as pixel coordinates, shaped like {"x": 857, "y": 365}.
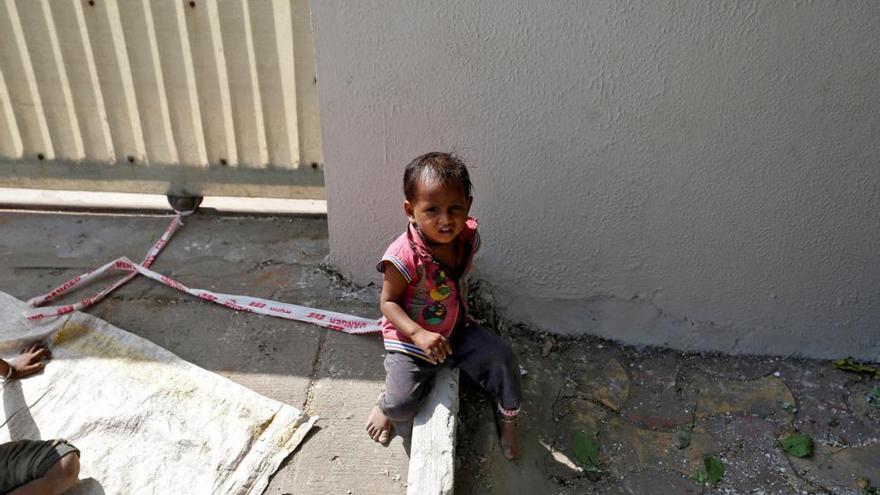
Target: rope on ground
{"x": 328, "y": 319}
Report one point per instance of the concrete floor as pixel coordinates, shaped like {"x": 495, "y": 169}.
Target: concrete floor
{"x": 633, "y": 401}
{"x": 325, "y": 373}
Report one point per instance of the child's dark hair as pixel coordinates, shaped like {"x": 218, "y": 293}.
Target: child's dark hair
{"x": 446, "y": 168}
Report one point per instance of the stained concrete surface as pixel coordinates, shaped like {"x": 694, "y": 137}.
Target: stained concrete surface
{"x": 634, "y": 401}
{"x": 329, "y": 374}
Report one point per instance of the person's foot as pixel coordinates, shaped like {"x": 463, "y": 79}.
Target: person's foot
{"x": 508, "y": 437}
{"x": 379, "y": 427}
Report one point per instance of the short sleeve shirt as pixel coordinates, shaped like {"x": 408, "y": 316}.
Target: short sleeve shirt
{"x": 435, "y": 295}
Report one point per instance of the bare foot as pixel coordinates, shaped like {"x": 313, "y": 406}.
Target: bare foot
{"x": 379, "y": 427}
{"x": 509, "y": 443}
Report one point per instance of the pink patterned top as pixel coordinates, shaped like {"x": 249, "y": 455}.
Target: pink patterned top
{"x": 436, "y": 295}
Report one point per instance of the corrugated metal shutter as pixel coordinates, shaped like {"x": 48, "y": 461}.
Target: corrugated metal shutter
{"x": 162, "y": 96}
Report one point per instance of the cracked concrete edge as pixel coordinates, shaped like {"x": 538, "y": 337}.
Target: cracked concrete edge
{"x": 432, "y": 451}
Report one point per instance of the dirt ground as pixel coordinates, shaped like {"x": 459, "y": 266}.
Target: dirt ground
{"x": 655, "y": 415}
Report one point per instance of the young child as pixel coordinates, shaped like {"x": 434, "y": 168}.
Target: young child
{"x": 424, "y": 294}
{"x": 35, "y": 466}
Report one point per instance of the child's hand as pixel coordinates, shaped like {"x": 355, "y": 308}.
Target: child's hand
{"x": 30, "y": 361}
{"x": 434, "y": 345}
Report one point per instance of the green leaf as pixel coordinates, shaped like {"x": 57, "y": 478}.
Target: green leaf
{"x": 798, "y": 445}
{"x": 714, "y": 469}
{"x": 585, "y": 450}
{"x": 789, "y": 408}
{"x": 711, "y": 472}
{"x": 855, "y": 367}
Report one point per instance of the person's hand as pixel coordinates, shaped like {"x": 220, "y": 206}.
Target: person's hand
{"x": 30, "y": 361}
{"x": 434, "y": 345}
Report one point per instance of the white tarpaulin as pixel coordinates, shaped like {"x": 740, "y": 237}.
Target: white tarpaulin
{"x": 145, "y": 420}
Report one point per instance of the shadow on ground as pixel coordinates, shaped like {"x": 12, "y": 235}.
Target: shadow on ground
{"x": 655, "y": 415}
{"x": 329, "y": 374}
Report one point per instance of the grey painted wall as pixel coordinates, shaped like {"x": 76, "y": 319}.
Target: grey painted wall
{"x": 703, "y": 174}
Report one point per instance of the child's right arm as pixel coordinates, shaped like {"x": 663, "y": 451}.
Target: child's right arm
{"x": 393, "y": 288}
{"x": 30, "y": 361}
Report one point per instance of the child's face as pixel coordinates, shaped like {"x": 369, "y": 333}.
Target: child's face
{"x": 439, "y": 210}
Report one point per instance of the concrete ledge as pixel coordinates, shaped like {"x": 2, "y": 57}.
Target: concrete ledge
{"x": 85, "y": 200}
{"x": 432, "y": 451}
{"x": 215, "y": 180}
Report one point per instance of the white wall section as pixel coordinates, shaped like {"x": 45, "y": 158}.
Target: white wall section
{"x": 704, "y": 175}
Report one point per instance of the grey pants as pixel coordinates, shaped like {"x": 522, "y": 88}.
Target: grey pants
{"x": 23, "y": 461}
{"x": 482, "y": 354}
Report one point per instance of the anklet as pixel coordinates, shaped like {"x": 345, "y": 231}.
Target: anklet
{"x": 507, "y": 415}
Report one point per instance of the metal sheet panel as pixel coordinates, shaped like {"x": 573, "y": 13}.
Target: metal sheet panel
{"x": 159, "y": 96}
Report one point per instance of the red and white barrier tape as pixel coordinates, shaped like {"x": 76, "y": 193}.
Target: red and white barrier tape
{"x": 327, "y": 319}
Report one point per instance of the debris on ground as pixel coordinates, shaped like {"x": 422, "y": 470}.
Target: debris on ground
{"x": 867, "y": 489}
{"x": 683, "y": 439}
{"x": 798, "y": 445}
{"x": 711, "y": 472}
{"x": 856, "y": 367}
{"x": 586, "y": 451}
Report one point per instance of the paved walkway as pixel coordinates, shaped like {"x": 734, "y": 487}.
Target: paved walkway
{"x": 333, "y": 375}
